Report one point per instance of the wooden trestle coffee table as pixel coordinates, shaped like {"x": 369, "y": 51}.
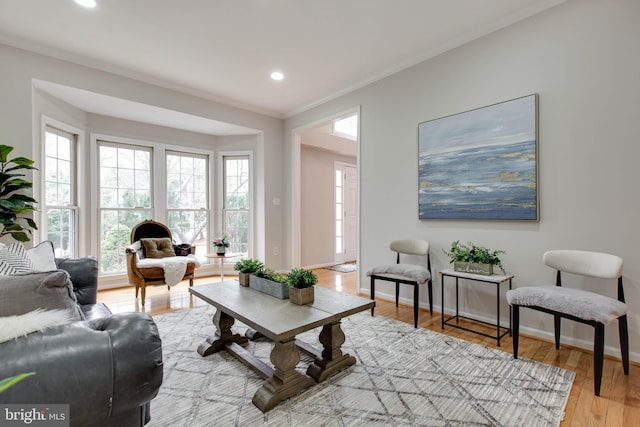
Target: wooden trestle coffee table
{"x": 280, "y": 321}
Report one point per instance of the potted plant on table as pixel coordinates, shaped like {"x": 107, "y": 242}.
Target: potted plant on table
{"x": 301, "y": 283}
{"x": 270, "y": 282}
{"x": 221, "y": 244}
{"x": 245, "y": 267}
{"x": 471, "y": 258}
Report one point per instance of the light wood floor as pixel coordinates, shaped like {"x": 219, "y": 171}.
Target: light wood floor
{"x": 618, "y": 404}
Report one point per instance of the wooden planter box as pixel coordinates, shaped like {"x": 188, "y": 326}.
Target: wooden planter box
{"x": 269, "y": 287}
{"x": 301, "y": 296}
{"x": 473, "y": 268}
{"x": 243, "y": 278}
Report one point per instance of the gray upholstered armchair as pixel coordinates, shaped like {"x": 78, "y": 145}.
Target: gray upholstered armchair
{"x": 106, "y": 368}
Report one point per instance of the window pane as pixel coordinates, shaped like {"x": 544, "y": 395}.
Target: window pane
{"x": 125, "y": 200}
{"x": 115, "y": 236}
{"x": 237, "y": 229}
{"x": 187, "y": 199}
{"x": 61, "y": 231}
{"x": 236, "y": 203}
{"x": 59, "y": 191}
{"x": 187, "y": 181}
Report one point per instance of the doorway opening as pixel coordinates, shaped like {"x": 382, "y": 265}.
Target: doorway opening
{"x": 325, "y": 191}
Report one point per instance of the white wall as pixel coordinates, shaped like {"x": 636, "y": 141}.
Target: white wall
{"x": 582, "y": 59}
{"x": 19, "y": 123}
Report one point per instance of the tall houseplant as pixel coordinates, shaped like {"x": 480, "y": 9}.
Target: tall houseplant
{"x": 14, "y": 204}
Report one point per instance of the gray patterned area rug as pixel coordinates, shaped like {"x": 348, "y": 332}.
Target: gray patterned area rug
{"x": 403, "y": 377}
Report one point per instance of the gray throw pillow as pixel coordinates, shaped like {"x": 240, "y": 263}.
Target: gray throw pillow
{"x": 22, "y": 293}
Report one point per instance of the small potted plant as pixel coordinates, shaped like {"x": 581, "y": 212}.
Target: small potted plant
{"x": 301, "y": 283}
{"x": 270, "y": 282}
{"x": 471, "y": 258}
{"x": 245, "y": 267}
{"x": 221, "y": 244}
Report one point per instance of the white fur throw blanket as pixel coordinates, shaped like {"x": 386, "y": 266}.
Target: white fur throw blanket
{"x": 416, "y": 272}
{"x": 38, "y": 320}
{"x": 174, "y": 267}
{"x": 576, "y": 302}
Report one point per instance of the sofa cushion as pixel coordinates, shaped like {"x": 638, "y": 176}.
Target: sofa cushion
{"x": 43, "y": 256}
{"x": 16, "y": 256}
{"x": 22, "y": 293}
{"x": 83, "y": 273}
{"x": 158, "y": 247}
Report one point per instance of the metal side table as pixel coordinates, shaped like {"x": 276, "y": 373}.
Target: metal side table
{"x": 495, "y": 279}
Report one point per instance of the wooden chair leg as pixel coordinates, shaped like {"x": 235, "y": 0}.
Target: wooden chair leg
{"x": 143, "y": 293}
{"x": 598, "y": 357}
{"x": 515, "y": 313}
{"x": 191, "y": 282}
{"x": 556, "y": 329}
{"x": 373, "y": 293}
{"x": 137, "y": 289}
{"x": 624, "y": 342}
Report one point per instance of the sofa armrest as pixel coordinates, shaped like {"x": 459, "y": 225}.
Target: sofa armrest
{"x": 84, "y": 276}
{"x": 105, "y": 369}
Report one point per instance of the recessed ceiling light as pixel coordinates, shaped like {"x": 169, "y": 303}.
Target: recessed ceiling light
{"x": 277, "y": 75}
{"x": 87, "y": 3}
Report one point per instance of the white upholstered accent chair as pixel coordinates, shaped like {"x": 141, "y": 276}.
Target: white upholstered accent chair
{"x": 582, "y": 306}
{"x": 408, "y": 274}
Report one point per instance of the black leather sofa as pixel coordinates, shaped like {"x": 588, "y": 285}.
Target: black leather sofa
{"x": 107, "y": 368}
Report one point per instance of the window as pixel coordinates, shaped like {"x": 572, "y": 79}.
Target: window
{"x": 125, "y": 199}
{"x": 187, "y": 199}
{"x": 236, "y": 202}
{"x": 346, "y": 127}
{"x": 339, "y": 210}
{"x": 60, "y": 191}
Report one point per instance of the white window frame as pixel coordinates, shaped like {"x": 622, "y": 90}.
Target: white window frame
{"x": 159, "y": 192}
{"x": 221, "y": 192}
{"x": 207, "y": 207}
{"x": 80, "y": 240}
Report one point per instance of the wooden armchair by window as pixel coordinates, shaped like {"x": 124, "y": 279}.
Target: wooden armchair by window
{"x": 151, "y": 258}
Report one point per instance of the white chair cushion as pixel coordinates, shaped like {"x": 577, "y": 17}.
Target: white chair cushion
{"x": 402, "y": 271}
{"x": 593, "y": 264}
{"x": 582, "y": 304}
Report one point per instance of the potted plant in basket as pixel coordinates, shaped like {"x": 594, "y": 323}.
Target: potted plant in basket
{"x": 270, "y": 282}
{"x": 471, "y": 258}
{"x": 301, "y": 283}
{"x": 245, "y": 267}
{"x": 221, "y": 244}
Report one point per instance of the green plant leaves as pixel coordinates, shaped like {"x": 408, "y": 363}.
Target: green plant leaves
{"x": 13, "y": 204}
{"x": 11, "y": 381}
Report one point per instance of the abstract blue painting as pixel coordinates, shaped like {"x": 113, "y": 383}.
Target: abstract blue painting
{"x": 481, "y": 164}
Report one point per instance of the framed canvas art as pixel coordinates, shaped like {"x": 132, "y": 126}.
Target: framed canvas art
{"x": 481, "y": 164}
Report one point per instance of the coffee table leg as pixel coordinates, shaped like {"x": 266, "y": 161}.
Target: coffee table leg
{"x": 332, "y": 358}
{"x": 214, "y": 343}
{"x": 285, "y": 381}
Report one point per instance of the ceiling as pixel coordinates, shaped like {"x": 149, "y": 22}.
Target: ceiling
{"x": 225, "y": 50}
